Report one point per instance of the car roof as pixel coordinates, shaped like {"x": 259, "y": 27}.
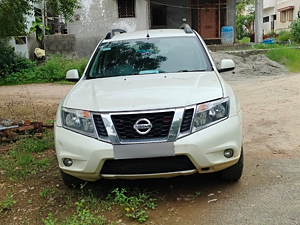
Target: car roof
{"x": 152, "y": 33}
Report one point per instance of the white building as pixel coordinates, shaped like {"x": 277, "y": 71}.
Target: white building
{"x": 270, "y": 17}
{"x": 278, "y": 14}
{"x": 25, "y": 45}
{"x": 287, "y": 10}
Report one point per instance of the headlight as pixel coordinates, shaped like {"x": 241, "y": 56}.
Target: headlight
{"x": 210, "y": 113}
{"x": 79, "y": 121}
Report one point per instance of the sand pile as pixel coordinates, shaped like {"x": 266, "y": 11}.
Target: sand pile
{"x": 251, "y": 65}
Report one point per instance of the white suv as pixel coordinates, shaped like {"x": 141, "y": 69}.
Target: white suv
{"x": 150, "y": 104}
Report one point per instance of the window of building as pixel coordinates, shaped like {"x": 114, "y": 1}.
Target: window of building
{"x": 159, "y": 16}
{"x": 266, "y": 19}
{"x": 286, "y": 15}
{"x": 20, "y": 40}
{"x": 126, "y": 8}
{"x": 283, "y": 16}
{"x": 290, "y": 14}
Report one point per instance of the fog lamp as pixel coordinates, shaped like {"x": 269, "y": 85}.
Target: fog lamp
{"x": 68, "y": 162}
{"x": 228, "y": 153}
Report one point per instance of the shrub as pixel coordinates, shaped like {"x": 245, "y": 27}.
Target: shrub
{"x": 244, "y": 40}
{"x": 57, "y": 66}
{"x": 284, "y": 35}
{"x": 271, "y": 34}
{"x": 295, "y": 30}
{"x": 53, "y": 70}
{"x": 11, "y": 62}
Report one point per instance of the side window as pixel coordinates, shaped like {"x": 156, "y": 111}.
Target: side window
{"x": 126, "y": 8}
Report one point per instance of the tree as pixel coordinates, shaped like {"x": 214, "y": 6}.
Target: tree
{"x": 12, "y": 17}
{"x": 13, "y": 14}
{"x": 63, "y": 7}
{"x": 245, "y": 16}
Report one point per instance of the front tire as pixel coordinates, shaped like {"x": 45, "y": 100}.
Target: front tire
{"x": 72, "y": 182}
{"x": 234, "y": 172}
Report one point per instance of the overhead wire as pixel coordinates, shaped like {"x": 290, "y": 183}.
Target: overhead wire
{"x": 185, "y": 7}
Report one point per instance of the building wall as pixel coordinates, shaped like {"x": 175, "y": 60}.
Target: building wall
{"x": 64, "y": 44}
{"x": 96, "y": 18}
{"x": 270, "y": 3}
{"x": 269, "y": 12}
{"x": 286, "y": 3}
{"x": 25, "y": 48}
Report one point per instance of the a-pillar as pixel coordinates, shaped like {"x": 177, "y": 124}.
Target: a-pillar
{"x": 232, "y": 15}
{"x": 258, "y": 26}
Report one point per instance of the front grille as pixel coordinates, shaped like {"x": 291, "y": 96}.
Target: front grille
{"x": 100, "y": 126}
{"x": 187, "y": 120}
{"x": 147, "y": 165}
{"x": 161, "y": 124}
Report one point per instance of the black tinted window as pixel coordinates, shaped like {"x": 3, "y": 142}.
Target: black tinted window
{"x": 157, "y": 55}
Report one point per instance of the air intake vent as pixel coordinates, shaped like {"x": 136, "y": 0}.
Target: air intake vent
{"x": 100, "y": 126}
{"x": 187, "y": 120}
{"x": 147, "y": 166}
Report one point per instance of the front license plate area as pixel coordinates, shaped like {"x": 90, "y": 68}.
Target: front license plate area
{"x": 134, "y": 151}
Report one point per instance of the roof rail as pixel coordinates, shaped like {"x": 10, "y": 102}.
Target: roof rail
{"x": 111, "y": 33}
{"x": 187, "y": 29}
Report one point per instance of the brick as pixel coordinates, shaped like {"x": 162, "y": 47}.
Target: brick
{"x": 30, "y": 127}
{"x": 27, "y": 122}
{"x": 38, "y": 135}
{"x": 68, "y": 47}
{"x": 38, "y": 126}
{"x": 53, "y": 48}
{"x": 48, "y": 125}
{"x": 60, "y": 47}
{"x": 5, "y": 139}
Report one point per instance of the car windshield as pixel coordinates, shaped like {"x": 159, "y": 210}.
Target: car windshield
{"x": 148, "y": 56}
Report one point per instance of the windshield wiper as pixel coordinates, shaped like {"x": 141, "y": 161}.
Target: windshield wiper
{"x": 183, "y": 71}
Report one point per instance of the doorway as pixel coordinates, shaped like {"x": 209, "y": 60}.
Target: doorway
{"x": 208, "y": 17}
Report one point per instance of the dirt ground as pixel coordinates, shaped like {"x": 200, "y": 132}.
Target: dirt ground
{"x": 268, "y": 192}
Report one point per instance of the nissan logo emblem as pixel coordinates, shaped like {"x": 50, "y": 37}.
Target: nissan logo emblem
{"x": 142, "y": 126}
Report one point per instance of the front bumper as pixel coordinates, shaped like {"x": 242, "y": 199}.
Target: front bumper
{"x": 204, "y": 148}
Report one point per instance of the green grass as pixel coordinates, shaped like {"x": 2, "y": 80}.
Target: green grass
{"x": 47, "y": 192}
{"x": 52, "y": 71}
{"x": 7, "y": 203}
{"x": 90, "y": 204}
{"x": 23, "y": 160}
{"x": 288, "y": 57}
{"x": 270, "y": 46}
{"x": 135, "y": 203}
{"x": 83, "y": 216}
{"x": 35, "y": 145}
{"x": 244, "y": 40}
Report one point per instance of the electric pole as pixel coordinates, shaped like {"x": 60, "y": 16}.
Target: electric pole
{"x": 258, "y": 21}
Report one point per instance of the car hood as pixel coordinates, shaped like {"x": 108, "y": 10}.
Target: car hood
{"x": 144, "y": 92}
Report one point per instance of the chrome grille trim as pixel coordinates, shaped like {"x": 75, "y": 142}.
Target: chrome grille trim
{"x": 174, "y": 132}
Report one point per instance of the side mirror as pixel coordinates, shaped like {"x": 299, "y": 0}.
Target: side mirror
{"x": 226, "y": 65}
{"x": 72, "y": 75}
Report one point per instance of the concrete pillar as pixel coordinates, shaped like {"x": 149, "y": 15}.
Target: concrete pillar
{"x": 258, "y": 26}
{"x": 149, "y": 14}
{"x": 232, "y": 15}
